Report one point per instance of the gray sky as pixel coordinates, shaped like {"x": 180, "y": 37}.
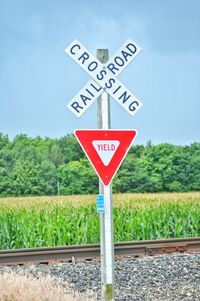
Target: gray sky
{"x": 38, "y": 79}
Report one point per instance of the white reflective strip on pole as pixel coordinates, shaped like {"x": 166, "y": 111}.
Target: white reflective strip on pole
{"x": 108, "y": 235}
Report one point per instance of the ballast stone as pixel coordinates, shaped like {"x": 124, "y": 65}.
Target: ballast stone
{"x": 160, "y": 278}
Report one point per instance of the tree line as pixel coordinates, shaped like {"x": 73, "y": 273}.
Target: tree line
{"x": 39, "y": 166}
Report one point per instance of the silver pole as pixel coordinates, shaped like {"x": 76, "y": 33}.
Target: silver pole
{"x": 106, "y": 219}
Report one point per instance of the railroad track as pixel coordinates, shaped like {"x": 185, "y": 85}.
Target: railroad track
{"x": 91, "y": 252}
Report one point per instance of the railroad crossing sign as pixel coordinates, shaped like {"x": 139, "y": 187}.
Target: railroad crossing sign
{"x": 104, "y": 77}
{"x": 105, "y": 149}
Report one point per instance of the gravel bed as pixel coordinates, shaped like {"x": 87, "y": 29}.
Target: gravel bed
{"x": 173, "y": 277}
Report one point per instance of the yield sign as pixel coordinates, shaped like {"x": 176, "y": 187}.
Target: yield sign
{"x": 105, "y": 149}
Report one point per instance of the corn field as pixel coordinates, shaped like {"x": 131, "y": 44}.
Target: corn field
{"x": 56, "y": 221}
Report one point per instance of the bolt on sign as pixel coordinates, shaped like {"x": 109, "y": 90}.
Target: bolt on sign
{"x": 104, "y": 77}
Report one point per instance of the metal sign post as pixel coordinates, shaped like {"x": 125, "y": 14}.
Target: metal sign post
{"x": 106, "y": 219}
{"x": 104, "y": 81}
{"x": 108, "y": 246}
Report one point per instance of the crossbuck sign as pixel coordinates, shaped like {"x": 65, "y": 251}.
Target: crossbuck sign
{"x": 104, "y": 77}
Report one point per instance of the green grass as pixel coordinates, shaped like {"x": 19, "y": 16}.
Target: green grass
{"x": 25, "y": 223}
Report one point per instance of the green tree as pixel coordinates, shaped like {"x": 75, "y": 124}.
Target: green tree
{"x": 32, "y": 166}
{"x": 27, "y": 179}
{"x": 5, "y": 183}
{"x": 70, "y": 149}
{"x": 132, "y": 177}
{"x": 78, "y": 177}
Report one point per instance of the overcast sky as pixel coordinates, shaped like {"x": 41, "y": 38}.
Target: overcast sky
{"x": 38, "y": 79}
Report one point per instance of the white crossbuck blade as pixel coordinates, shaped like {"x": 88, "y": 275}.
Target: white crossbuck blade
{"x": 104, "y": 77}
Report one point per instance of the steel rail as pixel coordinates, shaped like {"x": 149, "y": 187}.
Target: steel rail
{"x": 90, "y": 252}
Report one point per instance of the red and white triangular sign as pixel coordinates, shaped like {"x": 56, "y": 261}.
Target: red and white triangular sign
{"x": 105, "y": 149}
